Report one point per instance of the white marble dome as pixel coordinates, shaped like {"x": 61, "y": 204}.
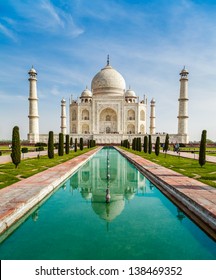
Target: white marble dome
{"x": 108, "y": 79}
{"x": 130, "y": 93}
{"x": 86, "y": 93}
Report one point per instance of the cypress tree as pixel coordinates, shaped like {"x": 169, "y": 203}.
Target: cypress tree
{"x": 67, "y": 146}
{"x": 202, "y": 150}
{"x": 145, "y": 145}
{"x": 157, "y": 146}
{"x": 75, "y": 145}
{"x": 50, "y": 145}
{"x": 133, "y": 146}
{"x": 81, "y": 143}
{"x": 150, "y": 145}
{"x": 61, "y": 145}
{"x": 139, "y": 145}
{"x": 71, "y": 141}
{"x": 166, "y": 144}
{"x": 16, "y": 147}
{"x": 128, "y": 144}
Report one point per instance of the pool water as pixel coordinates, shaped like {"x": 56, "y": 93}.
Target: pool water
{"x": 139, "y": 222}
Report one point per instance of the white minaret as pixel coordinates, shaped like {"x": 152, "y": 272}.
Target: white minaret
{"x": 183, "y": 103}
{"x": 152, "y": 117}
{"x": 33, "y": 135}
{"x": 63, "y": 117}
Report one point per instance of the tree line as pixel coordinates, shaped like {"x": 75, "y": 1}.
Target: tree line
{"x": 63, "y": 147}
{"x": 147, "y": 146}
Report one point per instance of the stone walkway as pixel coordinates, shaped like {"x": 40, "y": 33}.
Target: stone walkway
{"x": 192, "y": 195}
{"x": 7, "y": 158}
{"x": 16, "y": 200}
{"x": 192, "y": 156}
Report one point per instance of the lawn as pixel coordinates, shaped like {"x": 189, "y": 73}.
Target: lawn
{"x": 187, "y": 167}
{"x": 28, "y": 167}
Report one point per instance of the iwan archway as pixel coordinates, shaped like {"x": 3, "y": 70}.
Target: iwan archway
{"x": 108, "y": 121}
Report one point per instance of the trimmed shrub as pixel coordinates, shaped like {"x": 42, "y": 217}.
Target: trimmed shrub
{"x": 149, "y": 145}
{"x": 75, "y": 145}
{"x": 139, "y": 145}
{"x": 39, "y": 149}
{"x": 145, "y": 145}
{"x": 67, "y": 144}
{"x": 61, "y": 145}
{"x": 157, "y": 146}
{"x": 81, "y": 143}
{"x": 128, "y": 144}
{"x": 51, "y": 145}
{"x": 202, "y": 150}
{"x": 24, "y": 150}
{"x": 71, "y": 141}
{"x": 166, "y": 144}
{"x": 16, "y": 148}
{"x": 40, "y": 144}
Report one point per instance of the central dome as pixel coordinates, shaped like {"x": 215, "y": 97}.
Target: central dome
{"x": 108, "y": 80}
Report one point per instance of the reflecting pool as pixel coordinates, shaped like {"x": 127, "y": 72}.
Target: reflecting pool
{"x": 137, "y": 221}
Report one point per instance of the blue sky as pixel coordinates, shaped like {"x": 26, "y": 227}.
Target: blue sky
{"x": 149, "y": 42}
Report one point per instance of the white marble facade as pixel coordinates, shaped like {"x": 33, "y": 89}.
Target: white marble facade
{"x": 109, "y": 112}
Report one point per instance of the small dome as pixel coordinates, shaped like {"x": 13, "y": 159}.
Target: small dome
{"x": 184, "y": 71}
{"x": 86, "y": 93}
{"x": 32, "y": 71}
{"x": 130, "y": 93}
{"x": 108, "y": 79}
{"x": 153, "y": 100}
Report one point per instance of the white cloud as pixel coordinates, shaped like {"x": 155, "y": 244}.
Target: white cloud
{"x": 8, "y": 32}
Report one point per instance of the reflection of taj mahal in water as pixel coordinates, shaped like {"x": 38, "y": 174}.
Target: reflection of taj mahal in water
{"x": 124, "y": 183}
{"x": 108, "y": 112}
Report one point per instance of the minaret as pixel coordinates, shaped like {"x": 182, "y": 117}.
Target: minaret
{"x": 63, "y": 117}
{"x": 152, "y": 117}
{"x": 33, "y": 135}
{"x": 183, "y": 103}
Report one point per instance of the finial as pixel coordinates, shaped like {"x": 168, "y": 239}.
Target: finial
{"x": 129, "y": 87}
{"x": 107, "y": 60}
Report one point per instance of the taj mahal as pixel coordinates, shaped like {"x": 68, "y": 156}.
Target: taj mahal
{"x": 108, "y": 112}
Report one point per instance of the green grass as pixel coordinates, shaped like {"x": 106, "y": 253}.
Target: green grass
{"x": 210, "y": 151}
{"x": 187, "y": 167}
{"x": 28, "y": 167}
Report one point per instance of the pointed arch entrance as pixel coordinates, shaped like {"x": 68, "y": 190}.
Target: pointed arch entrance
{"x": 108, "y": 121}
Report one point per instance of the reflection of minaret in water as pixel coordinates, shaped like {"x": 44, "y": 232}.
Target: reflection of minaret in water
{"x": 108, "y": 197}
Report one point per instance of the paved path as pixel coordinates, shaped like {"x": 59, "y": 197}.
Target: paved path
{"x": 7, "y": 158}
{"x": 192, "y": 156}
{"x": 194, "y": 195}
{"x": 16, "y": 200}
